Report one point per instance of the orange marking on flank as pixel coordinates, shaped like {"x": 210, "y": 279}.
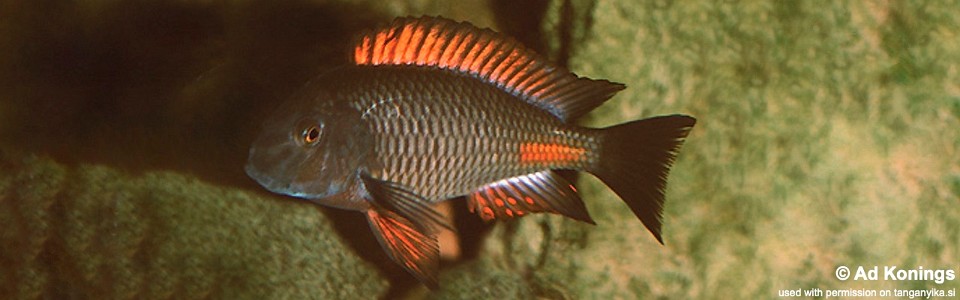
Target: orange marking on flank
{"x": 549, "y": 153}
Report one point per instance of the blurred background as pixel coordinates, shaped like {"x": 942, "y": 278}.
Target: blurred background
{"x": 827, "y": 136}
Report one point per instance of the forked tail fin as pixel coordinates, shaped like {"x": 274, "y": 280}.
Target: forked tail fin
{"x": 635, "y": 159}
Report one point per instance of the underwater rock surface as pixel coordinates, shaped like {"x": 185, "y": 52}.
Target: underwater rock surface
{"x": 826, "y": 136}
{"x": 91, "y": 232}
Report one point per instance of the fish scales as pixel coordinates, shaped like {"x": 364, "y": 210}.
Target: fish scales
{"x": 431, "y": 109}
{"x": 480, "y": 129}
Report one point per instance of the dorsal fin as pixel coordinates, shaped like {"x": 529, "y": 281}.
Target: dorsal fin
{"x": 487, "y": 55}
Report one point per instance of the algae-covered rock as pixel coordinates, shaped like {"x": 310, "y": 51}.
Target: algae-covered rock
{"x": 91, "y": 232}
{"x": 826, "y": 137}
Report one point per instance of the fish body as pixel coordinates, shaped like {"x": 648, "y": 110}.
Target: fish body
{"x": 433, "y": 109}
{"x": 445, "y": 134}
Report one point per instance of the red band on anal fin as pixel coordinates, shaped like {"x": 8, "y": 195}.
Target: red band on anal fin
{"x": 537, "y": 192}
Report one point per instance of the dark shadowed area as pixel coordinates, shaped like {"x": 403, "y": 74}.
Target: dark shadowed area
{"x": 162, "y": 85}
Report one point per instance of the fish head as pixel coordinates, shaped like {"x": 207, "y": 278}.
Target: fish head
{"x": 311, "y": 147}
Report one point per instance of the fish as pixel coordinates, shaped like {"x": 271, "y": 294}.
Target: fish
{"x": 432, "y": 109}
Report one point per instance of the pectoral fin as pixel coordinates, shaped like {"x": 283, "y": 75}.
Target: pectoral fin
{"x": 405, "y": 225}
{"x": 396, "y": 198}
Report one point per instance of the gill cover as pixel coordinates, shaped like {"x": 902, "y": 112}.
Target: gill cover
{"x": 311, "y": 147}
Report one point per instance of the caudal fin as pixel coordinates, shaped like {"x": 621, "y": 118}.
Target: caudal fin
{"x": 635, "y": 159}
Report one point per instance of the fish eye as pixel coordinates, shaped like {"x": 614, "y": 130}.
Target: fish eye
{"x": 309, "y": 133}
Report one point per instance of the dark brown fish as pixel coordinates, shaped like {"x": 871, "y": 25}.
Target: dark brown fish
{"x": 433, "y": 109}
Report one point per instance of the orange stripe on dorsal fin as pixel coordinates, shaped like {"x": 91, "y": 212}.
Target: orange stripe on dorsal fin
{"x": 486, "y": 55}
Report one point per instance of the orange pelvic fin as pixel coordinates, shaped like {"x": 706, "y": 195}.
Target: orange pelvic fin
{"x": 406, "y": 227}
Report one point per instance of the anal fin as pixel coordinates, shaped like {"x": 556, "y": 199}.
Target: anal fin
{"x": 543, "y": 191}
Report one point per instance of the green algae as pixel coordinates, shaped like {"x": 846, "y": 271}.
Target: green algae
{"x": 94, "y": 232}
{"x": 826, "y": 137}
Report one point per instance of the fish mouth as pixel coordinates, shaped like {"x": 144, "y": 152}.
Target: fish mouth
{"x": 276, "y": 175}
{"x": 265, "y": 181}
{"x": 279, "y": 170}
{"x": 286, "y": 186}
